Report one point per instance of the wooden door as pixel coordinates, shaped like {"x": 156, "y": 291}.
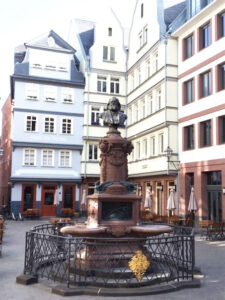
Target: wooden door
{"x": 48, "y": 208}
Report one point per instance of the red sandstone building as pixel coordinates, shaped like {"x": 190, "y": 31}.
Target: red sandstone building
{"x": 201, "y": 85}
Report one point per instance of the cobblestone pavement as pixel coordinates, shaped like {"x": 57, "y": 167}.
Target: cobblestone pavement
{"x": 210, "y": 257}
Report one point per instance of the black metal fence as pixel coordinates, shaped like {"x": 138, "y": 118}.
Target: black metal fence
{"x": 109, "y": 262}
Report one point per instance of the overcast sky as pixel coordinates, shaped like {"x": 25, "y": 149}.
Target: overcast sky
{"x": 23, "y": 20}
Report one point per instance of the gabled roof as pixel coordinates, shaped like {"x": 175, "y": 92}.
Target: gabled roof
{"x": 172, "y": 10}
{"x": 43, "y": 42}
{"x": 85, "y": 31}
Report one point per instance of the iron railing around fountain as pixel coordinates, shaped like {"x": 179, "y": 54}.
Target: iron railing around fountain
{"x": 109, "y": 262}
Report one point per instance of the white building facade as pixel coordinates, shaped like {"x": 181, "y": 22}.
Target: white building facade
{"x": 47, "y": 98}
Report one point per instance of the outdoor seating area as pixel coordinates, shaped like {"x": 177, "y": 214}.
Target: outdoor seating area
{"x": 66, "y": 212}
{"x": 32, "y": 213}
{"x": 212, "y": 230}
{"x": 148, "y": 216}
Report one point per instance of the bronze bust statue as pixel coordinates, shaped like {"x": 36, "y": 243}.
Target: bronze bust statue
{"x": 113, "y": 117}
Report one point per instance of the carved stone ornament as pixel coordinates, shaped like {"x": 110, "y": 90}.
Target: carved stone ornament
{"x": 103, "y": 146}
{"x": 117, "y": 157}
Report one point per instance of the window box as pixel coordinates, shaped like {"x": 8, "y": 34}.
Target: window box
{"x": 50, "y": 99}
{"x": 29, "y": 97}
{"x": 49, "y": 67}
{"x": 37, "y": 66}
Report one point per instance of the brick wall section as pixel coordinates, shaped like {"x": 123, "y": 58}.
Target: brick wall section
{"x": 5, "y": 160}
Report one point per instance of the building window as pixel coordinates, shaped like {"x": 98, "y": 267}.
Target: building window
{"x": 189, "y": 137}
{"x": 147, "y": 66}
{"x": 101, "y": 84}
{"x": 221, "y": 77}
{"x": 49, "y": 125}
{"x": 142, "y": 10}
{"x": 142, "y": 110}
{"x": 32, "y": 91}
{"x": 222, "y": 129}
{"x": 221, "y": 25}
{"x": 109, "y": 31}
{"x": 152, "y": 146}
{"x": 63, "y": 66}
{"x": 114, "y": 85}
{"x": 138, "y": 150}
{"x": 65, "y": 158}
{"x": 108, "y": 53}
{"x": 188, "y": 91}
{"x": 135, "y": 112}
{"x": 205, "y": 36}
{"x": 145, "y": 148}
{"x": 29, "y": 157}
{"x": 158, "y": 104}
{"x": 161, "y": 143}
{"x": 93, "y": 152}
{"x": 67, "y": 95}
{"x": 149, "y": 104}
{"x": 205, "y": 84}
{"x": 47, "y": 158}
{"x": 142, "y": 37}
{"x": 94, "y": 116}
{"x": 66, "y": 126}
{"x": 205, "y": 133}
{"x": 155, "y": 62}
{"x": 130, "y": 115}
{"x": 189, "y": 51}
{"x": 31, "y": 123}
{"x": 50, "y": 93}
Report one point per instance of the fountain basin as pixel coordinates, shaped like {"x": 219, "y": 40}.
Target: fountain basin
{"x": 109, "y": 231}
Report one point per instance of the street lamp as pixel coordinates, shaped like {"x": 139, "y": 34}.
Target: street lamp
{"x": 175, "y": 163}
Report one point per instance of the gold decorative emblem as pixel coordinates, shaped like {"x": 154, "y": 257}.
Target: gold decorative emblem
{"x": 139, "y": 264}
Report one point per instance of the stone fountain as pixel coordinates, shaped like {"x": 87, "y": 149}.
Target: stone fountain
{"x": 114, "y": 210}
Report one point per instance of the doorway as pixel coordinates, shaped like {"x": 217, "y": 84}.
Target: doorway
{"x": 48, "y": 208}
{"x": 214, "y": 197}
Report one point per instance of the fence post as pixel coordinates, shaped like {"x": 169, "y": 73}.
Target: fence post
{"x": 69, "y": 254}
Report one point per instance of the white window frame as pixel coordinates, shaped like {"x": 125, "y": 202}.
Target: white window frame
{"x": 26, "y": 121}
{"x": 54, "y": 125}
{"x": 64, "y": 165}
{"x": 135, "y": 112}
{"x": 93, "y": 146}
{"x": 102, "y": 79}
{"x": 145, "y": 147}
{"x": 50, "y": 93}
{"x": 147, "y": 68}
{"x": 24, "y": 157}
{"x": 138, "y": 150}
{"x": 62, "y": 67}
{"x": 158, "y": 103}
{"x": 155, "y": 61}
{"x": 95, "y": 111}
{"x": 115, "y": 83}
{"x": 152, "y": 149}
{"x": 109, "y": 54}
{"x": 32, "y": 91}
{"x": 67, "y": 95}
{"x": 51, "y": 65}
{"x": 61, "y": 125}
{"x": 161, "y": 143}
{"x": 52, "y": 160}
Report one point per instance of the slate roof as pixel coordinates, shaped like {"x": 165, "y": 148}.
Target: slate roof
{"x": 85, "y": 30}
{"x": 173, "y": 11}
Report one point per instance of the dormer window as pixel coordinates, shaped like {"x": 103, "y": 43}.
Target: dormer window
{"x": 109, "y": 31}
